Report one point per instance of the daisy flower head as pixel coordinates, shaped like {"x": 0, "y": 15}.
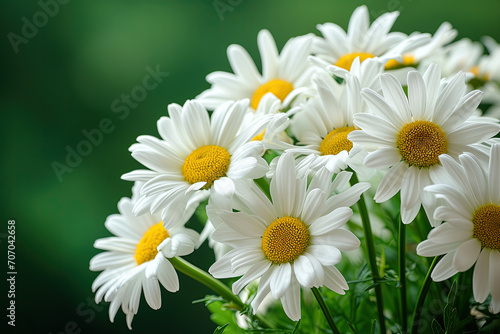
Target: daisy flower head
{"x": 284, "y": 74}
{"x": 197, "y": 153}
{"x": 487, "y": 76}
{"x": 364, "y": 40}
{"x": 293, "y": 239}
{"x": 322, "y": 123}
{"x": 135, "y": 258}
{"x": 470, "y": 233}
{"x": 274, "y": 136}
{"x": 408, "y": 134}
{"x": 462, "y": 55}
{"x": 412, "y": 59}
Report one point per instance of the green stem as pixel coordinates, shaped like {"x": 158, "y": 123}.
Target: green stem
{"x": 402, "y": 275}
{"x": 214, "y": 284}
{"x": 370, "y": 246}
{"x": 421, "y": 296}
{"x": 326, "y": 311}
{"x": 264, "y": 186}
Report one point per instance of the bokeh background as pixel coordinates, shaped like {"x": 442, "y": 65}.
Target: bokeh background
{"x": 64, "y": 79}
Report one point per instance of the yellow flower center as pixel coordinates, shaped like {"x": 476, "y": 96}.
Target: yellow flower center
{"x": 146, "y": 248}
{"x": 285, "y": 239}
{"x": 260, "y": 136}
{"x": 477, "y": 73}
{"x": 280, "y": 89}
{"x": 421, "y": 142}
{"x": 336, "y": 141}
{"x": 487, "y": 226}
{"x": 207, "y": 163}
{"x": 393, "y": 64}
{"x": 346, "y": 60}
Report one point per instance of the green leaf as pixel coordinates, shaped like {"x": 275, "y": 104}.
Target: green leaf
{"x": 351, "y": 326}
{"x": 222, "y": 316}
{"x": 220, "y": 329}
{"x": 296, "y": 328}
{"x": 450, "y": 311}
{"x": 436, "y": 327}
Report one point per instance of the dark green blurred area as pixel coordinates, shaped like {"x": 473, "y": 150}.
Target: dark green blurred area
{"x": 64, "y": 80}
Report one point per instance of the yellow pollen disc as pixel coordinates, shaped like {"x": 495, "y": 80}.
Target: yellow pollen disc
{"x": 285, "y": 239}
{"x": 280, "y": 89}
{"x": 336, "y": 141}
{"x": 207, "y": 163}
{"x": 487, "y": 226}
{"x": 146, "y": 248}
{"x": 260, "y": 136}
{"x": 346, "y": 60}
{"x": 477, "y": 73}
{"x": 407, "y": 61}
{"x": 421, "y": 142}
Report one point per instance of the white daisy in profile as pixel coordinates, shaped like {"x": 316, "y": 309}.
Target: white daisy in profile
{"x": 487, "y": 76}
{"x": 286, "y": 75}
{"x": 421, "y": 55}
{"x": 196, "y": 153}
{"x": 274, "y": 136}
{"x": 135, "y": 258}
{"x": 293, "y": 240}
{"x": 463, "y": 55}
{"x": 408, "y": 134}
{"x": 470, "y": 233}
{"x": 322, "y": 123}
{"x": 443, "y": 35}
{"x": 364, "y": 40}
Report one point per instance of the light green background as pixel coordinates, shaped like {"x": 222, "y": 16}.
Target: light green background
{"x": 64, "y": 80}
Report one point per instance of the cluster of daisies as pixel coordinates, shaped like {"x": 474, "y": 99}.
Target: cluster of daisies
{"x": 270, "y": 155}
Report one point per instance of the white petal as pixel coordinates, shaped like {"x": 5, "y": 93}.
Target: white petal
{"x": 224, "y": 186}
{"x": 429, "y": 248}
{"x": 331, "y": 221}
{"x": 466, "y": 255}
{"x": 335, "y": 281}
{"x": 393, "y": 93}
{"x": 280, "y": 279}
{"x": 291, "y": 301}
{"x": 253, "y": 273}
{"x": 342, "y": 239}
{"x": 391, "y": 182}
{"x": 383, "y": 158}
{"x": 152, "y": 292}
{"x": 481, "y": 277}
{"x": 444, "y": 269}
{"x": 494, "y": 174}
{"x": 416, "y": 95}
{"x": 326, "y": 254}
{"x": 494, "y": 275}
{"x": 283, "y": 185}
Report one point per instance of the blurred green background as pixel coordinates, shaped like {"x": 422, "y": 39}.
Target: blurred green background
{"x": 63, "y": 81}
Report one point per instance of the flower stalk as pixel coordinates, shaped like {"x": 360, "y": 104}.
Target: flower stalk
{"x": 372, "y": 260}
{"x": 326, "y": 311}
{"x": 212, "y": 283}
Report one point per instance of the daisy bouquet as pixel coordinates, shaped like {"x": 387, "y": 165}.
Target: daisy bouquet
{"x": 350, "y": 185}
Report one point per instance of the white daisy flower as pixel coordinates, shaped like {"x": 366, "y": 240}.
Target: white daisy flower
{"x": 364, "y": 40}
{"x": 470, "y": 234}
{"x": 462, "y": 55}
{"x": 135, "y": 258}
{"x": 196, "y": 153}
{"x": 408, "y": 134}
{"x": 293, "y": 241}
{"x": 286, "y": 75}
{"x": 323, "y": 123}
{"x": 443, "y": 35}
{"x": 274, "y": 136}
{"x": 487, "y": 74}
